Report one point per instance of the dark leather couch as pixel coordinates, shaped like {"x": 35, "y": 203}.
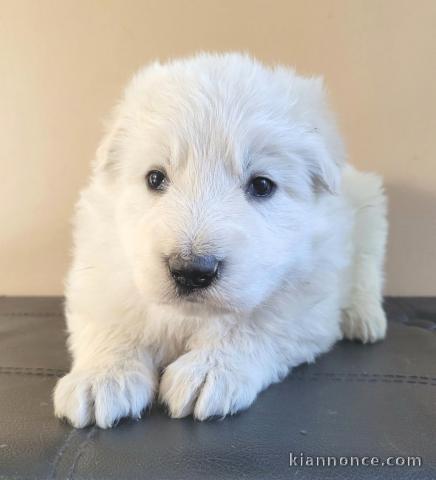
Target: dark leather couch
{"x": 377, "y": 400}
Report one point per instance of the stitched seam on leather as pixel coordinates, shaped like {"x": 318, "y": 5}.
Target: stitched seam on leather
{"x": 60, "y": 452}
{"x": 370, "y": 375}
{"x": 79, "y": 452}
{"x": 368, "y": 378}
{"x": 44, "y": 372}
{"x": 31, "y": 314}
{"x": 347, "y": 376}
{"x": 17, "y": 477}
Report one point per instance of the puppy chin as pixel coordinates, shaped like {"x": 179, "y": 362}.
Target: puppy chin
{"x": 200, "y": 302}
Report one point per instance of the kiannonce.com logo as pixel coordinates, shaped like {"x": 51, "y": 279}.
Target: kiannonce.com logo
{"x": 302, "y": 460}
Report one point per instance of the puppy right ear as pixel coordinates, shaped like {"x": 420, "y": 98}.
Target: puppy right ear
{"x": 108, "y": 155}
{"x": 109, "y": 152}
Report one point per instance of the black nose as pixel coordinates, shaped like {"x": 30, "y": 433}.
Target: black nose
{"x": 193, "y": 272}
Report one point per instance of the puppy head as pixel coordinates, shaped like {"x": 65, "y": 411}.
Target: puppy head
{"x": 215, "y": 165}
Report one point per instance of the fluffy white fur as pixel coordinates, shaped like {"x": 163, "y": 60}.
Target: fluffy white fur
{"x": 302, "y": 268}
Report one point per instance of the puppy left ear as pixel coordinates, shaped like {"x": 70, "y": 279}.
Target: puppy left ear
{"x": 324, "y": 167}
{"x": 322, "y": 147}
{"x": 328, "y": 152}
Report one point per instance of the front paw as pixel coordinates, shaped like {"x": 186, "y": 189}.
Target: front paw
{"x": 84, "y": 397}
{"x": 195, "y": 384}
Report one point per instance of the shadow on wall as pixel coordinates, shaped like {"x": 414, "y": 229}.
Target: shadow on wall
{"x": 412, "y": 241}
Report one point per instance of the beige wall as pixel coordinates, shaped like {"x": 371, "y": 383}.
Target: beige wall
{"x": 63, "y": 63}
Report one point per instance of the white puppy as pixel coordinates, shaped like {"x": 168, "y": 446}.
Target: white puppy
{"x": 220, "y": 242}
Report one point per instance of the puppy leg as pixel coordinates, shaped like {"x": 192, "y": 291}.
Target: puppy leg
{"x": 224, "y": 371}
{"x": 216, "y": 381}
{"x": 363, "y": 315}
{"x": 112, "y": 377}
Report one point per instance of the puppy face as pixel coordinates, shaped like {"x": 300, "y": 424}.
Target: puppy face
{"x": 216, "y": 166}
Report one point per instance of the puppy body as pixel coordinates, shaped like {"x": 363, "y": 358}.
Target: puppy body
{"x": 299, "y": 270}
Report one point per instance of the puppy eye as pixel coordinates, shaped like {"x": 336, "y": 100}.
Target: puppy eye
{"x": 261, "y": 187}
{"x": 156, "y": 180}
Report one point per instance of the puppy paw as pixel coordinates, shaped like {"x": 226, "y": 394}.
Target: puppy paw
{"x": 194, "y": 385}
{"x": 84, "y": 397}
{"x": 366, "y": 323}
